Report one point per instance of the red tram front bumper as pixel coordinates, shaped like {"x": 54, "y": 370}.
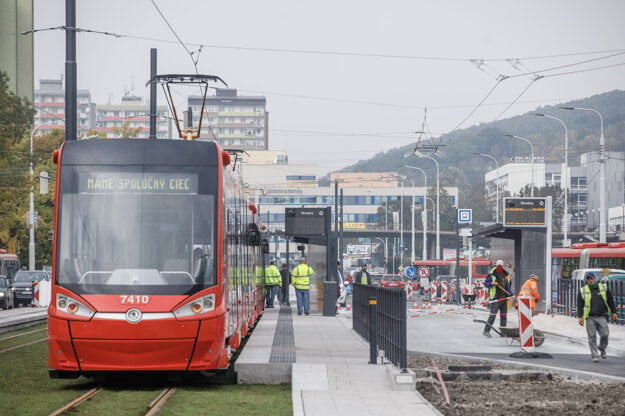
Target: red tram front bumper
{"x": 151, "y": 345}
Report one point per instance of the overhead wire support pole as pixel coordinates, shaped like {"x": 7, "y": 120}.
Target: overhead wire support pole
{"x": 71, "y": 93}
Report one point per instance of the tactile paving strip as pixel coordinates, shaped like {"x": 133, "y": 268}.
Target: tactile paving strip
{"x": 283, "y": 347}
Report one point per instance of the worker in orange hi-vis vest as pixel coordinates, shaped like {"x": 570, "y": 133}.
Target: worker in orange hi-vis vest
{"x": 530, "y": 290}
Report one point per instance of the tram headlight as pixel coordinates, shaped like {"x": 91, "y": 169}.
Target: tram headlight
{"x": 72, "y": 306}
{"x": 196, "y": 306}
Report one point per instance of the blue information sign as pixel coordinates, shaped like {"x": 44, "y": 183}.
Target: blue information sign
{"x": 410, "y": 272}
{"x": 465, "y": 216}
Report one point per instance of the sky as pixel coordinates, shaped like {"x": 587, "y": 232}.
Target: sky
{"x": 346, "y": 79}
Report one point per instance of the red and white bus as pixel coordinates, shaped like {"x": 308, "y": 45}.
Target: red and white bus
{"x": 586, "y": 256}
{"x": 480, "y": 267}
{"x": 154, "y": 258}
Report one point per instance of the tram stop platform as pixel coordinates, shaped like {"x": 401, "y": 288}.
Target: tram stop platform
{"x": 326, "y": 362}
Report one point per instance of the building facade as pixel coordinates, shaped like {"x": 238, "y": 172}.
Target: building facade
{"x": 50, "y": 106}
{"x": 110, "y": 118}
{"x": 16, "y": 49}
{"x": 235, "y": 121}
{"x": 583, "y": 186}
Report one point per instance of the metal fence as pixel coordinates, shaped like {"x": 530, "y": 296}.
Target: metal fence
{"x": 567, "y": 292}
{"x": 390, "y": 320}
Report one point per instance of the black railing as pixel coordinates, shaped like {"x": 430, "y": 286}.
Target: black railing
{"x": 390, "y": 318}
{"x": 567, "y": 292}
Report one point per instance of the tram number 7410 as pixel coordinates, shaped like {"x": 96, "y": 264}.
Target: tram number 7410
{"x": 135, "y": 299}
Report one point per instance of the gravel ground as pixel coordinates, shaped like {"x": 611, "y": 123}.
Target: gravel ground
{"x": 550, "y": 396}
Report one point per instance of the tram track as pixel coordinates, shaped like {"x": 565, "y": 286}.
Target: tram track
{"x": 26, "y": 344}
{"x": 76, "y": 402}
{"x": 151, "y": 409}
{"x": 11, "y": 339}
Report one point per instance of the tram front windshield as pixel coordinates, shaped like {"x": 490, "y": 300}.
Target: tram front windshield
{"x": 136, "y": 233}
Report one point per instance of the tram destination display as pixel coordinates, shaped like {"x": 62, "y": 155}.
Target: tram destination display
{"x": 524, "y": 212}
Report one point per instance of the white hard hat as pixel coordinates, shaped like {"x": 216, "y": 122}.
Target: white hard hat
{"x": 499, "y": 263}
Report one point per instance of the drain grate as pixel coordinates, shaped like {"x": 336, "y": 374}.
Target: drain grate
{"x": 283, "y": 347}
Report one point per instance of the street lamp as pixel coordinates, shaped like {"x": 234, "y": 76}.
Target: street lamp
{"x": 31, "y": 206}
{"x": 425, "y": 218}
{"x": 497, "y": 187}
{"x": 602, "y": 186}
{"x": 438, "y": 203}
{"x": 412, "y": 224}
{"x": 565, "y": 178}
{"x": 532, "y": 150}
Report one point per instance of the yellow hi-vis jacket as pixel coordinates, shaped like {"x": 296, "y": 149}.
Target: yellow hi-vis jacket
{"x": 300, "y": 276}
{"x": 585, "y": 291}
{"x": 272, "y": 276}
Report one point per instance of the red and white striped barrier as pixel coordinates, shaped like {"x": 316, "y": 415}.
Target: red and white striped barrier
{"x": 526, "y": 329}
{"x": 36, "y": 295}
{"x": 444, "y": 286}
{"x": 434, "y": 291}
{"x": 481, "y": 297}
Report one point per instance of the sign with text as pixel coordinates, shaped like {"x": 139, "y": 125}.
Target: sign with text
{"x": 524, "y": 212}
{"x": 305, "y": 221}
{"x": 359, "y": 249}
{"x": 137, "y": 182}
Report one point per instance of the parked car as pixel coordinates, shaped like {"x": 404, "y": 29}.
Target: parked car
{"x": 375, "y": 279}
{"x": 23, "y": 285}
{"x": 580, "y": 274}
{"x": 6, "y": 293}
{"x": 392, "y": 281}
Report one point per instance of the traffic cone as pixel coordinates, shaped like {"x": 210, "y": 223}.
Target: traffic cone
{"x": 414, "y": 305}
{"x": 429, "y": 305}
{"x": 349, "y": 306}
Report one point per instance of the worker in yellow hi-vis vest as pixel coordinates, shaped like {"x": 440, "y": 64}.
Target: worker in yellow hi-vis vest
{"x": 300, "y": 279}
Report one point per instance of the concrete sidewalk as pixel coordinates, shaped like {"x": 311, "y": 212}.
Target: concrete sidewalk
{"x": 327, "y": 367}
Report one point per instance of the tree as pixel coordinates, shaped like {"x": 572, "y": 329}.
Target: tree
{"x": 125, "y": 131}
{"x": 16, "y": 116}
{"x": 557, "y": 200}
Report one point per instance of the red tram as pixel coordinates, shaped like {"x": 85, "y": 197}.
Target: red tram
{"x": 585, "y": 256}
{"x": 154, "y": 258}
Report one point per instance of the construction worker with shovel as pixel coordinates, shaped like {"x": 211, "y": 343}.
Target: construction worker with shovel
{"x": 498, "y": 282}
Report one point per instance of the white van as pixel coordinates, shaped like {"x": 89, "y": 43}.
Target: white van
{"x": 580, "y": 274}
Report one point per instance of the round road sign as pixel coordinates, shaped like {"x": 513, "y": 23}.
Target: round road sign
{"x": 423, "y": 271}
{"x": 410, "y": 272}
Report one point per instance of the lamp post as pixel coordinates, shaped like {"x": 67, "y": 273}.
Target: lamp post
{"x": 532, "y": 151}
{"x": 497, "y": 187}
{"x": 31, "y": 207}
{"x": 425, "y": 195}
{"x": 565, "y": 178}
{"x": 438, "y": 204}
{"x": 412, "y": 224}
{"x": 602, "y": 185}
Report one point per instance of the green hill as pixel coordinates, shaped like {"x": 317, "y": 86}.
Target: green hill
{"x": 458, "y": 167}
